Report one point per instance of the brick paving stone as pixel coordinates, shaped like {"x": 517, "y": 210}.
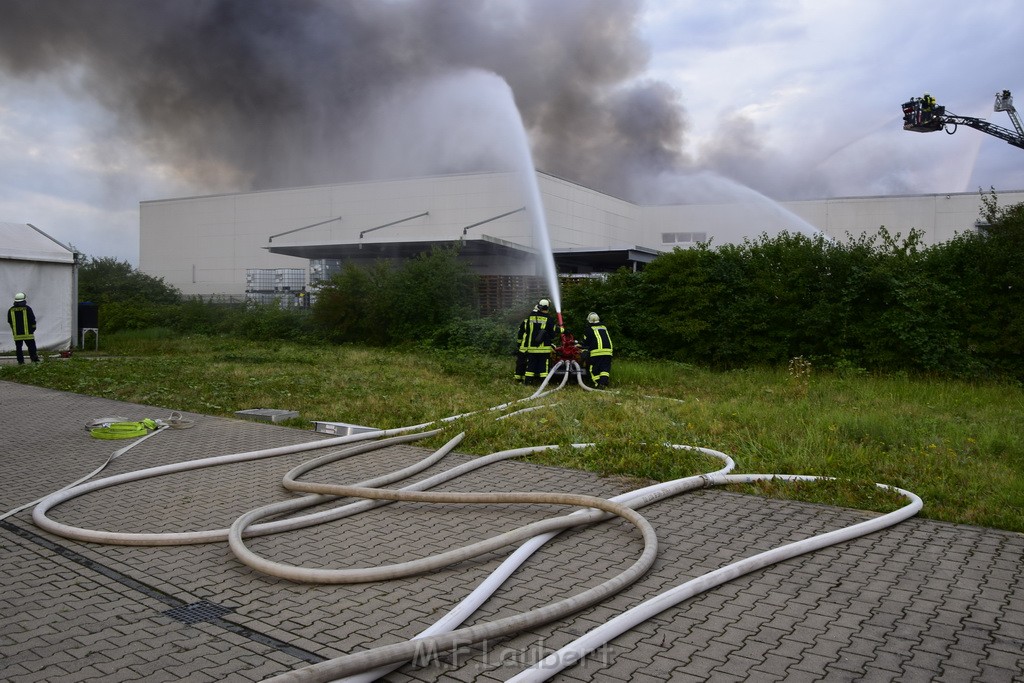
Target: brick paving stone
{"x": 952, "y": 674}
{"x": 775, "y": 665}
{"x": 737, "y": 665}
{"x": 753, "y": 650}
{"x": 921, "y": 601}
{"x": 795, "y": 675}
{"x": 1009, "y": 660}
{"x": 853, "y": 662}
{"x": 876, "y": 675}
{"x": 998, "y": 675}
{"x": 678, "y": 652}
{"x": 834, "y": 675}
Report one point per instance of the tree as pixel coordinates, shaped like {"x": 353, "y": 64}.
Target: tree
{"x": 351, "y": 306}
{"x": 107, "y": 280}
{"x": 430, "y": 291}
{"x": 384, "y": 304}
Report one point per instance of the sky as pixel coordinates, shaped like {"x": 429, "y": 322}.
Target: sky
{"x": 107, "y": 103}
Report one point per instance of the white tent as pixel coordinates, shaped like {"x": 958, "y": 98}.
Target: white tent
{"x": 45, "y": 270}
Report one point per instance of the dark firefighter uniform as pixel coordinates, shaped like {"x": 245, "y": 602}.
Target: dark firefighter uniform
{"x": 23, "y": 326}
{"x": 540, "y": 330}
{"x": 521, "y": 356}
{"x": 598, "y": 345}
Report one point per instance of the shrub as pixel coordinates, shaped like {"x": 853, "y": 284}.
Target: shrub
{"x": 383, "y": 305}
{"x": 351, "y": 306}
{"x": 270, "y": 322}
{"x": 107, "y": 280}
{"x": 880, "y": 302}
{"x": 485, "y": 335}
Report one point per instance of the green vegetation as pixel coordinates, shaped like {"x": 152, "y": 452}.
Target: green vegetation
{"x": 957, "y": 444}
{"x": 128, "y": 298}
{"x": 881, "y": 303}
{"x": 385, "y": 304}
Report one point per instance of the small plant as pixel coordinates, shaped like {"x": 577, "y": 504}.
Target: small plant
{"x": 800, "y": 369}
{"x": 800, "y": 373}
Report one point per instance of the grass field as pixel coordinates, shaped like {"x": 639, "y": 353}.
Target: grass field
{"x": 959, "y": 445}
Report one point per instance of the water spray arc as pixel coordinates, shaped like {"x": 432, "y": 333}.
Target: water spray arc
{"x": 523, "y": 160}
{"x": 565, "y": 350}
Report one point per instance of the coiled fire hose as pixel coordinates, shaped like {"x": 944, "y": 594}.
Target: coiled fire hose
{"x": 370, "y": 664}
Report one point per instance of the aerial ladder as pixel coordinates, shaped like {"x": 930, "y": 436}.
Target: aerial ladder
{"x": 923, "y": 115}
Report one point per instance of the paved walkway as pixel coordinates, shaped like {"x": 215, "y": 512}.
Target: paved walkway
{"x": 923, "y": 601}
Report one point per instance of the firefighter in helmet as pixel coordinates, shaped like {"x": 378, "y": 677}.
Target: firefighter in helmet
{"x": 927, "y": 107}
{"x": 540, "y": 330}
{"x": 521, "y": 355}
{"x": 23, "y": 326}
{"x": 597, "y": 344}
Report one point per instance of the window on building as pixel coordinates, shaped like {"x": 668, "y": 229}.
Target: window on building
{"x": 683, "y": 237}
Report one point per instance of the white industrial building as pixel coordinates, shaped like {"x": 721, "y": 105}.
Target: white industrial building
{"x": 214, "y": 244}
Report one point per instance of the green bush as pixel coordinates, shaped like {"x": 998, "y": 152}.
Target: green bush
{"x": 195, "y": 316}
{"x": 428, "y": 292}
{"x": 352, "y": 306}
{"x": 404, "y": 304}
{"x": 485, "y": 335}
{"x": 880, "y": 302}
{"x": 117, "y": 316}
{"x": 620, "y": 300}
{"x": 107, "y": 280}
{"x": 269, "y": 322}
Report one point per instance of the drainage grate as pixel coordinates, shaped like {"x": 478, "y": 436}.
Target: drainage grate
{"x": 198, "y": 611}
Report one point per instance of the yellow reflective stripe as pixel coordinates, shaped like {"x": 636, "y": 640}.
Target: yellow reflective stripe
{"x": 13, "y": 316}
{"x": 599, "y": 339}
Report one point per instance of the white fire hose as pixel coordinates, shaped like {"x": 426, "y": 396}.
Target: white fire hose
{"x": 445, "y": 634}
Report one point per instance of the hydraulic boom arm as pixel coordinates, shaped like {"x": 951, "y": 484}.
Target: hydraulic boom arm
{"x": 923, "y": 115}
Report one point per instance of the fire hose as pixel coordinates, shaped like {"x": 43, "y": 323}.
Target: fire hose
{"x": 577, "y": 649}
{"x": 373, "y": 663}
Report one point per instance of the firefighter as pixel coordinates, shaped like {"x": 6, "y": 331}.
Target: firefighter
{"x": 927, "y": 107}
{"x": 521, "y": 355}
{"x": 597, "y": 344}
{"x": 23, "y": 326}
{"x": 556, "y": 330}
{"x": 539, "y": 334}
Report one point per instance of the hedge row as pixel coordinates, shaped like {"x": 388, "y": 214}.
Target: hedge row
{"x": 877, "y": 303}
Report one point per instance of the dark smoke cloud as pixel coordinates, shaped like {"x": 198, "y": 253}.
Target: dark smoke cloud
{"x": 250, "y": 94}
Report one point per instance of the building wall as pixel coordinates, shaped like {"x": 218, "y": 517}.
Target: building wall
{"x": 204, "y": 245}
{"x": 579, "y": 217}
{"x": 939, "y": 216}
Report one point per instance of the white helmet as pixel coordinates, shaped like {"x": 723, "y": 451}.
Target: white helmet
{"x": 20, "y": 296}
{"x": 543, "y": 303}
{"x": 593, "y": 318}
